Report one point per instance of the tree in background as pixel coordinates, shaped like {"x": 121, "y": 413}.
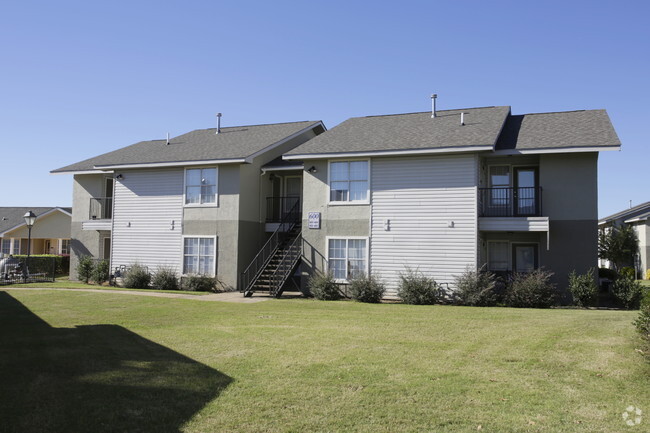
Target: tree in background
{"x": 619, "y": 245}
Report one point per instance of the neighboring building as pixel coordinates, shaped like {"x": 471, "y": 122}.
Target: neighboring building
{"x": 513, "y": 192}
{"x": 196, "y": 203}
{"x": 639, "y": 218}
{"x": 50, "y": 234}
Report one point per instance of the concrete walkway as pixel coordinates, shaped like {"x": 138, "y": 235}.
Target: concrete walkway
{"x": 235, "y": 297}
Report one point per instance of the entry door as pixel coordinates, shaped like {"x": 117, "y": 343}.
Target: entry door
{"x": 108, "y": 199}
{"x": 524, "y": 257}
{"x": 48, "y": 247}
{"x": 292, "y": 191}
{"x": 526, "y": 199}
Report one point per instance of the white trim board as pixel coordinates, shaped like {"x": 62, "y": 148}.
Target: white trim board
{"x": 369, "y": 153}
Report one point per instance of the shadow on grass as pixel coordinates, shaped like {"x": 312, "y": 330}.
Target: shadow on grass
{"x": 98, "y": 378}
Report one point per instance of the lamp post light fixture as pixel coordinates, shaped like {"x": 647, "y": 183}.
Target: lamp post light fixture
{"x": 30, "y": 219}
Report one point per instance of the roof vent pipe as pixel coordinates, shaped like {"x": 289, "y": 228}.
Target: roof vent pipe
{"x": 218, "y": 123}
{"x": 433, "y": 105}
{"x": 462, "y": 119}
{"x": 168, "y": 139}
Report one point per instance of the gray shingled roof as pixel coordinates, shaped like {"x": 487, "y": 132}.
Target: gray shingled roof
{"x": 410, "y": 131}
{"x": 12, "y": 216}
{"x": 585, "y": 128}
{"x": 627, "y": 213}
{"x": 199, "y": 145}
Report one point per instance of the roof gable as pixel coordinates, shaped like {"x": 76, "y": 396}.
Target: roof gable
{"x": 232, "y": 143}
{"x": 12, "y": 217}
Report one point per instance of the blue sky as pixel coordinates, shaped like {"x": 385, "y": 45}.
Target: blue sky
{"x": 82, "y": 78}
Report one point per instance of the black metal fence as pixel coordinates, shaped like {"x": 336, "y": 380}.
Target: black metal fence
{"x": 278, "y": 207}
{"x": 22, "y": 270}
{"x": 509, "y": 202}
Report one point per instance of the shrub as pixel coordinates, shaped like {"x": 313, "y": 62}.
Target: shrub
{"x": 477, "y": 288}
{"x": 583, "y": 288}
{"x": 165, "y": 278}
{"x": 85, "y": 268}
{"x": 101, "y": 271}
{"x": 199, "y": 283}
{"x": 417, "y": 289}
{"x": 628, "y": 271}
{"x": 43, "y": 263}
{"x": 628, "y": 292}
{"x": 323, "y": 287}
{"x": 532, "y": 290}
{"x": 137, "y": 277}
{"x": 642, "y": 323}
{"x": 607, "y": 273}
{"x": 367, "y": 288}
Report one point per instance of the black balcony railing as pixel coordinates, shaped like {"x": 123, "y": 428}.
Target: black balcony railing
{"x": 278, "y": 207}
{"x": 101, "y": 208}
{"x": 510, "y": 202}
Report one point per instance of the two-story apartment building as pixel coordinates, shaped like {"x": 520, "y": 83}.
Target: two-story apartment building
{"x": 195, "y": 203}
{"x": 458, "y": 189}
{"x": 438, "y": 192}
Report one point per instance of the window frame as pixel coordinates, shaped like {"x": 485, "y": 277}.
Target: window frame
{"x": 15, "y": 246}
{"x": 511, "y": 252}
{"x": 214, "y": 253}
{"x": 3, "y": 242}
{"x": 329, "y": 183}
{"x": 216, "y": 187}
{"x": 346, "y": 239}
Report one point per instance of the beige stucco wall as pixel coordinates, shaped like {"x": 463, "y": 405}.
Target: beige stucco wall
{"x": 569, "y": 184}
{"x": 336, "y": 219}
{"x": 84, "y": 242}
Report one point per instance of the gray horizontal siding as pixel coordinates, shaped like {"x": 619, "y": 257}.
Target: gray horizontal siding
{"x": 146, "y": 203}
{"x": 420, "y": 197}
{"x": 514, "y": 224}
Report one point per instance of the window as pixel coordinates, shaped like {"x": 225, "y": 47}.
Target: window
{"x": 498, "y": 256}
{"x": 347, "y": 258}
{"x": 201, "y": 186}
{"x": 500, "y": 184}
{"x": 524, "y": 257}
{"x": 198, "y": 256}
{"x": 6, "y": 246}
{"x": 16, "y": 248}
{"x": 349, "y": 181}
{"x": 65, "y": 246}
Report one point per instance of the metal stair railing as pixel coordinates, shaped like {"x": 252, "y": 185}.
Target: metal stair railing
{"x": 285, "y": 267}
{"x": 259, "y": 262}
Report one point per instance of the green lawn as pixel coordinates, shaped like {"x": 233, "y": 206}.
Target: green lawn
{"x": 64, "y": 283}
{"x": 94, "y": 362}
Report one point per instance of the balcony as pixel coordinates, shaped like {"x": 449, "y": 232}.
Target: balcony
{"x": 100, "y": 214}
{"x": 511, "y": 210}
{"x": 510, "y": 202}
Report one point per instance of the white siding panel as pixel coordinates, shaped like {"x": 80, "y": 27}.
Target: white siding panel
{"x": 420, "y": 197}
{"x": 146, "y": 203}
{"x": 516, "y": 224}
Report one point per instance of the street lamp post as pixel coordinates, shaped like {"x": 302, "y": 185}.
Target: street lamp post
{"x": 30, "y": 219}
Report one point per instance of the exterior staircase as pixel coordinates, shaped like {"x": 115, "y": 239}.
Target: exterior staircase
{"x": 277, "y": 260}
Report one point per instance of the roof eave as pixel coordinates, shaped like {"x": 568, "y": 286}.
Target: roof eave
{"x": 575, "y": 149}
{"x": 390, "y": 152}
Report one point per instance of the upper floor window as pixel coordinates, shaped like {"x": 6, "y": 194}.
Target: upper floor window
{"x": 200, "y": 186}
{"x": 349, "y": 181}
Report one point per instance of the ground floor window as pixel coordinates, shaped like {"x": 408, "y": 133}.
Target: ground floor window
{"x": 6, "y": 246}
{"x": 16, "y": 247}
{"x": 511, "y": 256}
{"x": 65, "y": 246}
{"x": 347, "y": 258}
{"x": 198, "y": 256}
